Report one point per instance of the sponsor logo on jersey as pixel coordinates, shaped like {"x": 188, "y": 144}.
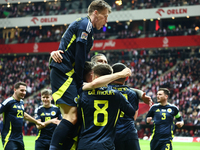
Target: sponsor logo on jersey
{"x": 53, "y": 113}
{"x": 47, "y": 114}
{"x": 169, "y": 110}
{"x": 19, "y": 107}
{"x": 163, "y": 110}
{"x": 42, "y": 114}
{"x": 14, "y": 106}
{"x": 84, "y": 35}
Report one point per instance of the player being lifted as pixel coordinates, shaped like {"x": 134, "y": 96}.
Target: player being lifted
{"x": 66, "y": 77}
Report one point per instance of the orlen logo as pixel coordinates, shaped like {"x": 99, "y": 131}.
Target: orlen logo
{"x": 34, "y": 20}
{"x": 172, "y": 11}
{"x": 159, "y": 11}
{"x": 43, "y": 20}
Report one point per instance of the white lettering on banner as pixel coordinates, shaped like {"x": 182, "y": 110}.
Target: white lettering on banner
{"x": 109, "y": 44}
{"x": 98, "y": 45}
{"x": 172, "y": 11}
{"x": 35, "y": 48}
{"x": 43, "y": 20}
{"x": 165, "y": 42}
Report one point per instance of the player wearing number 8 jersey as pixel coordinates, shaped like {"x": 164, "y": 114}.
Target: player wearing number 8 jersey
{"x": 100, "y": 109}
{"x": 163, "y": 114}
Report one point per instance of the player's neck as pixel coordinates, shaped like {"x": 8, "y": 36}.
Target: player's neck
{"x": 15, "y": 97}
{"x": 164, "y": 103}
{"x": 117, "y": 83}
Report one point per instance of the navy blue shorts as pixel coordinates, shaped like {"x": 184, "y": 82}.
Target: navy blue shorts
{"x": 64, "y": 90}
{"x": 14, "y": 145}
{"x": 42, "y": 145}
{"x": 161, "y": 145}
{"x": 132, "y": 144}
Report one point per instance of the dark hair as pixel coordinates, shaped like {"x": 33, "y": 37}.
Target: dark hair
{"x": 102, "y": 69}
{"x": 117, "y": 67}
{"x": 87, "y": 68}
{"x": 46, "y": 92}
{"x": 17, "y": 85}
{"x": 165, "y": 90}
{"x": 98, "y": 5}
{"x": 94, "y": 58}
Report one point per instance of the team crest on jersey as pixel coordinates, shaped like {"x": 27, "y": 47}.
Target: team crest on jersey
{"x": 0, "y": 105}
{"x": 22, "y": 107}
{"x": 169, "y": 110}
{"x": 84, "y": 35}
{"x": 76, "y": 100}
{"x": 53, "y": 113}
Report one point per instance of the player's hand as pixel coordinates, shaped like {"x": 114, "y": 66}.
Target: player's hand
{"x": 56, "y": 56}
{"x": 55, "y": 121}
{"x": 180, "y": 124}
{"x": 147, "y": 99}
{"x": 149, "y": 119}
{"x": 125, "y": 73}
{"x": 40, "y": 123}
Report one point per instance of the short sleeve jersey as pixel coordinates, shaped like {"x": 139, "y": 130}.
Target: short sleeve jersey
{"x": 125, "y": 128}
{"x": 100, "y": 109}
{"x": 13, "y": 115}
{"x": 46, "y": 114}
{"x": 163, "y": 117}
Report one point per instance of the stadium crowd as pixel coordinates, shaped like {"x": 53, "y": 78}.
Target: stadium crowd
{"x": 115, "y": 31}
{"x": 151, "y": 70}
{"x": 70, "y": 7}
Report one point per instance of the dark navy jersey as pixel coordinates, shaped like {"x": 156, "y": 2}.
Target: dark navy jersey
{"x": 76, "y": 42}
{"x": 163, "y": 117}
{"x": 100, "y": 109}
{"x": 125, "y": 128}
{"x": 46, "y": 114}
{"x": 13, "y": 114}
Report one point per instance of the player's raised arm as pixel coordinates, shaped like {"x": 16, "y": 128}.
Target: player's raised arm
{"x": 104, "y": 80}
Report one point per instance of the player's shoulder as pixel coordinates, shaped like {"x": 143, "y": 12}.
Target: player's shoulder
{"x": 172, "y": 106}
{"x": 8, "y": 100}
{"x": 85, "y": 24}
{"x": 155, "y": 105}
{"x": 54, "y": 107}
{"x": 39, "y": 108}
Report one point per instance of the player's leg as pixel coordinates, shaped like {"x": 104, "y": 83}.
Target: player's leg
{"x": 66, "y": 126}
{"x": 154, "y": 144}
{"x": 12, "y": 145}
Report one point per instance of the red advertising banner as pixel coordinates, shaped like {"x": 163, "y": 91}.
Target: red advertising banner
{"x": 117, "y": 44}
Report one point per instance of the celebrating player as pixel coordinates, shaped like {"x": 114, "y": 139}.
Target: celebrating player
{"x": 163, "y": 114}
{"x": 66, "y": 77}
{"x": 100, "y": 109}
{"x": 13, "y": 109}
{"x": 50, "y": 115}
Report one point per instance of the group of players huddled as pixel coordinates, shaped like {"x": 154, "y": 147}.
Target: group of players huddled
{"x": 93, "y": 108}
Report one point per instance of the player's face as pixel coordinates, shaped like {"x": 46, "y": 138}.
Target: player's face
{"x": 161, "y": 97}
{"x": 101, "y": 59}
{"x": 20, "y": 92}
{"x": 46, "y": 100}
{"x": 101, "y": 19}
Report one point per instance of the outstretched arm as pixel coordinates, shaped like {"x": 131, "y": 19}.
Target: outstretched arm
{"x": 54, "y": 121}
{"x": 104, "y": 80}
{"x": 31, "y": 119}
{"x": 142, "y": 95}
